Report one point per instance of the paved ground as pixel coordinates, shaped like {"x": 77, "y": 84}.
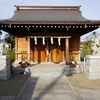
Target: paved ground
{"x": 54, "y": 88}
{"x": 48, "y": 88}
{"x": 87, "y": 89}
{"x": 45, "y": 86}
{"x": 89, "y": 94}
{"x": 80, "y": 82}
{"x": 7, "y": 97}
{"x": 13, "y": 86}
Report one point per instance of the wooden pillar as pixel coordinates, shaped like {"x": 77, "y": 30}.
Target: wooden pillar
{"x": 79, "y": 48}
{"x": 67, "y": 50}
{"x": 16, "y": 48}
{"x": 28, "y": 49}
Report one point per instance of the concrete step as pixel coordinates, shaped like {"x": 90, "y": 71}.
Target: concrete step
{"x": 47, "y": 69}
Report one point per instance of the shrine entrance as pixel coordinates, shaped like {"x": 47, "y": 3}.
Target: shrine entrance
{"x": 58, "y": 51}
{"x": 47, "y": 50}
{"x": 47, "y": 35}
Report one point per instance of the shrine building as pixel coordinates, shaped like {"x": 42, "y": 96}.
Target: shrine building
{"x": 48, "y": 33}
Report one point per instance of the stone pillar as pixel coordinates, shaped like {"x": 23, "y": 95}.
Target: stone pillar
{"x": 28, "y": 49}
{"x": 67, "y": 50}
{"x": 92, "y": 67}
{"x": 5, "y": 72}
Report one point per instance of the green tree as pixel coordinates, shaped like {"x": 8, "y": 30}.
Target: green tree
{"x": 10, "y": 39}
{"x": 89, "y": 41}
{"x": 12, "y": 58}
{"x": 87, "y": 48}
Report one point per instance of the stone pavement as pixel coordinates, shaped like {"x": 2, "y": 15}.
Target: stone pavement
{"x": 48, "y": 82}
{"x": 89, "y": 94}
{"x": 52, "y": 85}
{"x": 7, "y": 97}
{"x": 42, "y": 87}
{"x": 47, "y": 69}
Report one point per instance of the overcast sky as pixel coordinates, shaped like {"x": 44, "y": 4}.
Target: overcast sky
{"x": 90, "y": 8}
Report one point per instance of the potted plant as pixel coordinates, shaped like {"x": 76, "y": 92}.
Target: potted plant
{"x": 23, "y": 58}
{"x": 72, "y": 62}
{"x": 23, "y": 64}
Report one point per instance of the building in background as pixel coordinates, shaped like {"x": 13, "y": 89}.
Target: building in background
{"x": 48, "y": 33}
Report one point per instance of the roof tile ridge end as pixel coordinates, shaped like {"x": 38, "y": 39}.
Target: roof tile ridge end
{"x": 47, "y": 7}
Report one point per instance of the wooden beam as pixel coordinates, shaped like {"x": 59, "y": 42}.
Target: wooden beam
{"x": 50, "y": 36}
{"x": 67, "y": 50}
{"x": 28, "y": 49}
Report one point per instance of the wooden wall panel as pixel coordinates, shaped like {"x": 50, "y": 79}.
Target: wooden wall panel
{"x": 59, "y": 56}
{"x": 31, "y": 56}
{"x": 22, "y": 44}
{"x": 53, "y": 54}
{"x": 57, "y": 52}
{"x": 74, "y": 45}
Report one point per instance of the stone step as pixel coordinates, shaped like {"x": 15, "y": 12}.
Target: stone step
{"x": 47, "y": 70}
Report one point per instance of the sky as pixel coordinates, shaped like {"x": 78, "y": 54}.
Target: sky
{"x": 90, "y": 8}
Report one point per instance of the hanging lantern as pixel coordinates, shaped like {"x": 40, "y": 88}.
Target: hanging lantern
{"x": 59, "y": 43}
{"x": 35, "y": 39}
{"x": 43, "y": 41}
{"x": 51, "y": 40}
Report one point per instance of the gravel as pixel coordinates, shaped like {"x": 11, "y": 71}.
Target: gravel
{"x": 13, "y": 86}
{"x": 79, "y": 81}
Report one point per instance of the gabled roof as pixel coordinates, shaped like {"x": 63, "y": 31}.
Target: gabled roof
{"x": 48, "y": 15}
{"x": 69, "y": 17}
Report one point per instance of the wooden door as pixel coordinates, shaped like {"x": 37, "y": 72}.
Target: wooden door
{"x": 39, "y": 51}
{"x": 57, "y": 51}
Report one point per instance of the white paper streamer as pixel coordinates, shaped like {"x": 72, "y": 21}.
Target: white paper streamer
{"x": 43, "y": 41}
{"x": 35, "y": 39}
{"x": 59, "y": 41}
{"x": 51, "y": 40}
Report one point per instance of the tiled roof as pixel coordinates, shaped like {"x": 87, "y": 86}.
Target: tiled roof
{"x": 48, "y": 13}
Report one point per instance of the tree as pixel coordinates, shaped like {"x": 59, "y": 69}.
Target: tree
{"x": 89, "y": 41}
{"x": 87, "y": 47}
{"x": 10, "y": 39}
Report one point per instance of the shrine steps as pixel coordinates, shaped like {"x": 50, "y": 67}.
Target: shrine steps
{"x": 47, "y": 69}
